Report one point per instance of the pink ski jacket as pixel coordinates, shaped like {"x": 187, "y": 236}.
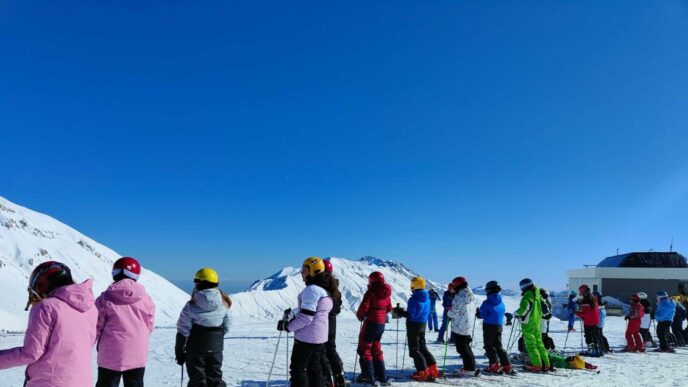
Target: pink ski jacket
{"x": 59, "y": 339}
{"x": 126, "y": 315}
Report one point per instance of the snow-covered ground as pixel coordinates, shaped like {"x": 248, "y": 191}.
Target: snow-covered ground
{"x": 249, "y": 349}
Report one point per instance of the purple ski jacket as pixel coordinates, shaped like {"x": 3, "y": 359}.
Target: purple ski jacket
{"x": 311, "y": 323}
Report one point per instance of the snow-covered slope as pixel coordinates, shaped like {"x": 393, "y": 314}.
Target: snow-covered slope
{"x": 267, "y": 298}
{"x": 28, "y": 238}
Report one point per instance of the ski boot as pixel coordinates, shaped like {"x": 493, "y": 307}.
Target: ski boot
{"x": 532, "y": 368}
{"x": 508, "y": 369}
{"x": 494, "y": 368}
{"x": 340, "y": 381}
{"x": 365, "y": 379}
{"x": 433, "y": 371}
{"x": 422, "y": 376}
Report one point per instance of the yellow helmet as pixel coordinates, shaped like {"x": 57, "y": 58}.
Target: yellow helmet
{"x": 417, "y": 283}
{"x": 207, "y": 274}
{"x": 315, "y": 265}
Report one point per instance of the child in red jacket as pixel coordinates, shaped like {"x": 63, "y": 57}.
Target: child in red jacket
{"x": 590, "y": 314}
{"x": 635, "y": 313}
{"x": 373, "y": 311}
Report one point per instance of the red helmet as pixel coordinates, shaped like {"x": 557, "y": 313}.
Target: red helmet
{"x": 328, "y": 266}
{"x": 127, "y": 266}
{"x": 584, "y": 289}
{"x": 375, "y": 277}
{"x": 635, "y": 297}
{"x": 458, "y": 281}
{"x": 46, "y": 276}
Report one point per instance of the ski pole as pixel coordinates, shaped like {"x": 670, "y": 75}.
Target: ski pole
{"x": 446, "y": 344}
{"x": 403, "y": 357}
{"x": 396, "y": 365}
{"x": 582, "y": 329}
{"x": 567, "y": 339}
{"x": 181, "y": 381}
{"x": 286, "y": 369}
{"x": 511, "y": 333}
{"x": 353, "y": 378}
{"x": 274, "y": 357}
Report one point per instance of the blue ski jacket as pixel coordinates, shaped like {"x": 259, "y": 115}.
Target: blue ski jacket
{"x": 447, "y": 300}
{"x": 665, "y": 310}
{"x": 492, "y": 310}
{"x": 419, "y": 306}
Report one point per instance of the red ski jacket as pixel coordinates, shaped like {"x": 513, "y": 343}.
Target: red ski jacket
{"x": 590, "y": 312}
{"x": 376, "y": 303}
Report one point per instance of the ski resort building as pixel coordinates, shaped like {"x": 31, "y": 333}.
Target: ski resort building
{"x": 620, "y": 276}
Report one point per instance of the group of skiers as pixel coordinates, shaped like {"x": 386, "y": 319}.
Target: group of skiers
{"x": 66, "y": 321}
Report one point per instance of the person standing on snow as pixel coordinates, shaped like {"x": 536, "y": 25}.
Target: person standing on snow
{"x": 635, "y": 314}
{"x": 666, "y": 308}
{"x": 203, "y": 323}
{"x": 432, "y": 321}
{"x": 646, "y": 320}
{"x": 310, "y": 323}
{"x": 61, "y": 333}
{"x": 492, "y": 313}
{"x": 530, "y": 315}
{"x": 546, "y": 317}
{"x": 126, "y": 314}
{"x": 591, "y": 319}
{"x": 677, "y": 323}
{"x": 571, "y": 309}
{"x": 416, "y": 322}
{"x": 603, "y": 316}
{"x": 377, "y": 302}
{"x": 462, "y": 322}
{"x": 332, "y": 366}
{"x": 447, "y": 298}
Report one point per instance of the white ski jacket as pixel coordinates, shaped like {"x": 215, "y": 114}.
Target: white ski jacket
{"x": 462, "y": 312}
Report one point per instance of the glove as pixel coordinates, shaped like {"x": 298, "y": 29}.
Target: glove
{"x": 626, "y": 317}
{"x": 179, "y": 354}
{"x": 477, "y": 312}
{"x": 399, "y": 311}
{"x": 283, "y": 325}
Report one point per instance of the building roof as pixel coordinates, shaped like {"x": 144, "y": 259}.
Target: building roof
{"x": 651, "y": 259}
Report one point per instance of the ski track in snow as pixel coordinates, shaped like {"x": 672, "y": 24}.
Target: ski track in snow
{"x": 250, "y": 345}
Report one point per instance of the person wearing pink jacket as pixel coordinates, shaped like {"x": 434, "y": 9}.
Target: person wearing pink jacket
{"x": 126, "y": 315}
{"x": 61, "y": 333}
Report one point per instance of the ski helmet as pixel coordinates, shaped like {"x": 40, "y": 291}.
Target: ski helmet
{"x": 128, "y": 267}
{"x": 662, "y": 295}
{"x": 48, "y": 276}
{"x": 635, "y": 297}
{"x": 525, "y": 283}
{"x": 492, "y": 287}
{"x": 584, "y": 289}
{"x": 207, "y": 274}
{"x": 642, "y": 295}
{"x": 417, "y": 283}
{"x": 315, "y": 266}
{"x": 376, "y": 277}
{"x": 328, "y": 266}
{"x": 544, "y": 293}
{"x": 459, "y": 282}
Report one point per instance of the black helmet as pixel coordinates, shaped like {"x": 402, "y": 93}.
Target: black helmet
{"x": 49, "y": 275}
{"x": 492, "y": 287}
{"x": 525, "y": 283}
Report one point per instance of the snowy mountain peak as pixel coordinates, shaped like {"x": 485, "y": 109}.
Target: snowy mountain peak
{"x": 267, "y": 298}
{"x": 28, "y": 238}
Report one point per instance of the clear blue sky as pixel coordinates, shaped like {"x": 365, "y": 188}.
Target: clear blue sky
{"x": 496, "y": 140}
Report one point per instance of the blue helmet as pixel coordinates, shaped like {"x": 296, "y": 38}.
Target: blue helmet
{"x": 525, "y": 283}
{"x": 662, "y": 295}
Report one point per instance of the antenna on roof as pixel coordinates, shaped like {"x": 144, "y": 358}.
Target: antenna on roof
{"x": 671, "y": 246}
{"x": 617, "y": 251}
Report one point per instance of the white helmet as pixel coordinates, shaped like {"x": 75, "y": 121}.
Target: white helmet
{"x": 642, "y": 295}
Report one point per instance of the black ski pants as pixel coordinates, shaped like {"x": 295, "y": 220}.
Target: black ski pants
{"x": 331, "y": 363}
{"x": 463, "y": 347}
{"x": 305, "y": 366}
{"x": 418, "y": 350}
{"x": 677, "y": 329}
{"x": 111, "y": 378}
{"x": 205, "y": 369}
{"x": 492, "y": 342}
{"x": 663, "y": 334}
{"x": 647, "y": 336}
{"x": 593, "y": 338}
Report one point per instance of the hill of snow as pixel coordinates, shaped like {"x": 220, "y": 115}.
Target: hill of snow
{"x": 28, "y": 238}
